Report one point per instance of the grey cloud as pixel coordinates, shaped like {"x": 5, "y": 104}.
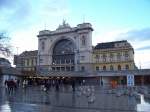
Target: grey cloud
{"x": 136, "y": 35}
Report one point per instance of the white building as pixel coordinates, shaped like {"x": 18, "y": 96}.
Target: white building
{"x": 65, "y": 49}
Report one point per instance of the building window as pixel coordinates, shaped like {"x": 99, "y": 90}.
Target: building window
{"x": 97, "y": 68}
{"x": 67, "y": 61}
{"x": 104, "y": 57}
{"x": 28, "y": 62}
{"x": 53, "y": 68}
{"x": 97, "y": 57}
{"x": 82, "y": 68}
{"x": 58, "y": 68}
{"x": 83, "y": 40}
{"x": 43, "y": 45}
{"x": 126, "y": 55}
{"x": 62, "y": 68}
{"x": 41, "y": 60}
{"x": 32, "y": 62}
{"x": 111, "y": 57}
{"x": 127, "y": 67}
{"x": 111, "y": 68}
{"x": 119, "y": 67}
{"x": 118, "y": 56}
{"x": 72, "y": 68}
{"x": 82, "y": 58}
{"x": 104, "y": 68}
{"x": 67, "y": 68}
{"x": 72, "y": 61}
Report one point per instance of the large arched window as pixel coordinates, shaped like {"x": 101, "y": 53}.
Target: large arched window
{"x": 63, "y": 55}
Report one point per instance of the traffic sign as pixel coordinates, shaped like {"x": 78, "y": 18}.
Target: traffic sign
{"x": 130, "y": 80}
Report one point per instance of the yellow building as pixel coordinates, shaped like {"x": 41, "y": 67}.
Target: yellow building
{"x": 113, "y": 56}
{"x": 26, "y": 62}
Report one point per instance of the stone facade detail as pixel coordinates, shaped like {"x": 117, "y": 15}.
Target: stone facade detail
{"x": 76, "y": 45}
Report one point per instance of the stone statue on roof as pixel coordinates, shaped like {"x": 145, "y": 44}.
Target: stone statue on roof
{"x": 64, "y": 25}
{"x": 64, "y": 22}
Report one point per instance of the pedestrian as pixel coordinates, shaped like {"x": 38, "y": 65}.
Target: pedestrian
{"x": 57, "y": 85}
{"x": 6, "y": 84}
{"x": 101, "y": 82}
{"x": 73, "y": 85}
{"x": 18, "y": 82}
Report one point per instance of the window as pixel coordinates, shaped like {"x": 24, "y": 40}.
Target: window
{"x": 41, "y": 60}
{"x": 62, "y": 61}
{"x": 43, "y": 45}
{"x": 72, "y": 68}
{"x": 127, "y": 67}
{"x": 97, "y": 68}
{"x": 118, "y": 56}
{"x": 119, "y": 67}
{"x": 62, "y": 68}
{"x": 67, "y": 61}
{"x": 63, "y": 54}
{"x": 111, "y": 68}
{"x": 58, "y": 68}
{"x": 72, "y": 61}
{"x": 97, "y": 57}
{"x": 82, "y": 68}
{"x": 111, "y": 57}
{"x": 67, "y": 68}
{"x": 104, "y": 68}
{"x": 53, "y": 68}
{"x": 126, "y": 55}
{"x": 82, "y": 58}
{"x": 32, "y": 62}
{"x": 104, "y": 57}
{"x": 83, "y": 40}
{"x": 27, "y": 62}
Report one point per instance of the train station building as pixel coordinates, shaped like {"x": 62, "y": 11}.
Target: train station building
{"x": 67, "y": 52}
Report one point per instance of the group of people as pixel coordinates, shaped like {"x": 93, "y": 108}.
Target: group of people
{"x": 11, "y": 85}
{"x": 57, "y": 84}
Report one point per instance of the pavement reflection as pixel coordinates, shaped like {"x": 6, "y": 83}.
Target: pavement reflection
{"x": 33, "y": 99}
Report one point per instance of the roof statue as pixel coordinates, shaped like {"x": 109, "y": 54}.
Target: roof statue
{"x": 64, "y": 25}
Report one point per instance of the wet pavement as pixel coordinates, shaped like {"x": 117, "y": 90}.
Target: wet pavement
{"x": 33, "y": 99}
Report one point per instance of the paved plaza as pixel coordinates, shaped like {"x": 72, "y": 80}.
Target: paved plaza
{"x": 33, "y": 99}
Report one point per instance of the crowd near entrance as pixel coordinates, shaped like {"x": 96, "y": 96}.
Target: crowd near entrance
{"x": 13, "y": 82}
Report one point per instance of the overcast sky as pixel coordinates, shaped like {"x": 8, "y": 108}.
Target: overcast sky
{"x": 111, "y": 19}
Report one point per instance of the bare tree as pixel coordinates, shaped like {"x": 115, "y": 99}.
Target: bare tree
{"x": 5, "y": 48}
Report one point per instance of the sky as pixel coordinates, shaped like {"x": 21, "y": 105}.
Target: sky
{"x": 112, "y": 20}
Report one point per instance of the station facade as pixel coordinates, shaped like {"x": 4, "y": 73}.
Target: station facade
{"x": 68, "y": 52}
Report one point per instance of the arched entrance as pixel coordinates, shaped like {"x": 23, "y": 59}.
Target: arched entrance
{"x": 63, "y": 56}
